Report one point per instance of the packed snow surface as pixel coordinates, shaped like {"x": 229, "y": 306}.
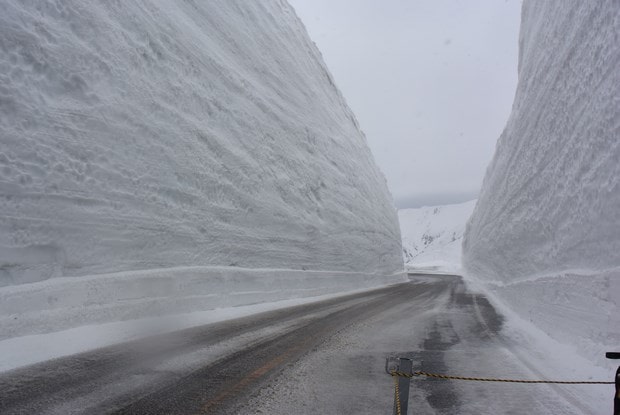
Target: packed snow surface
{"x": 432, "y": 236}
{"x": 545, "y": 234}
{"x": 156, "y": 155}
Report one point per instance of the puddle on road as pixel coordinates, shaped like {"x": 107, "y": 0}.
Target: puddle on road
{"x": 472, "y": 314}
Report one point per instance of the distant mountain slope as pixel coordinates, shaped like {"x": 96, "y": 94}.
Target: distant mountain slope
{"x": 432, "y": 236}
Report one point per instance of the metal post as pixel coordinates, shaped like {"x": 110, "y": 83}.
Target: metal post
{"x": 404, "y": 365}
{"x": 617, "y": 396}
{"x": 616, "y": 355}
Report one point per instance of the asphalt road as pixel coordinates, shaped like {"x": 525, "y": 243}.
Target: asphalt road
{"x": 324, "y": 357}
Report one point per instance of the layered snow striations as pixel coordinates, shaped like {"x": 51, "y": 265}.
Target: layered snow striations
{"x": 545, "y": 233}
{"x": 174, "y": 156}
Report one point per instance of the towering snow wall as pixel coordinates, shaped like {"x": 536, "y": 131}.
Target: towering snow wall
{"x": 546, "y": 230}
{"x": 196, "y": 144}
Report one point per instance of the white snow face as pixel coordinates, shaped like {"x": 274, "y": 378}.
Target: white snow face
{"x": 432, "y": 236}
{"x": 141, "y": 135}
{"x": 162, "y": 157}
{"x": 546, "y": 229}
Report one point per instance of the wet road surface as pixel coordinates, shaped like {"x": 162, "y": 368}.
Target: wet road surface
{"x": 325, "y": 357}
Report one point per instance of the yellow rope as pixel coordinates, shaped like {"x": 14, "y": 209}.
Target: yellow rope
{"x": 397, "y": 397}
{"x": 397, "y": 374}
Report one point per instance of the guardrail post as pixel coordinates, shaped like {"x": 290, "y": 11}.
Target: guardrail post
{"x": 616, "y": 355}
{"x": 404, "y": 365}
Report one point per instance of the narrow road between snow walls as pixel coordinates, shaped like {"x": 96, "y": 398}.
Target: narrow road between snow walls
{"x": 326, "y": 357}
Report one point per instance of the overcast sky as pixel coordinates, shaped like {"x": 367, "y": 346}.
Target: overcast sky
{"x": 430, "y": 81}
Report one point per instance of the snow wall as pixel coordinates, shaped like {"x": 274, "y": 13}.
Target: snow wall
{"x": 201, "y": 146}
{"x": 545, "y": 234}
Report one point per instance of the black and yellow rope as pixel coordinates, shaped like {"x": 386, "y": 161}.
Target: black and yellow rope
{"x": 438, "y": 376}
{"x": 397, "y": 396}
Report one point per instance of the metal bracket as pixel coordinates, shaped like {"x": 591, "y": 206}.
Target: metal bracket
{"x": 400, "y": 364}
{"x": 391, "y": 365}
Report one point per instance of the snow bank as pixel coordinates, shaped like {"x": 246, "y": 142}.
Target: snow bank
{"x": 29, "y": 349}
{"x": 545, "y": 234}
{"x": 432, "y": 236}
{"x": 170, "y": 138}
{"x": 71, "y": 302}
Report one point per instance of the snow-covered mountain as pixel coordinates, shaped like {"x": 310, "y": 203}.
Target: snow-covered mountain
{"x": 173, "y": 156}
{"x": 545, "y": 234}
{"x": 432, "y": 236}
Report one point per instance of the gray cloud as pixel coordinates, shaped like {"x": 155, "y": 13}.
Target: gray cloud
{"x": 431, "y": 83}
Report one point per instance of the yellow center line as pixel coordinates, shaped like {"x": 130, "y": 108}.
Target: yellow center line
{"x": 248, "y": 379}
